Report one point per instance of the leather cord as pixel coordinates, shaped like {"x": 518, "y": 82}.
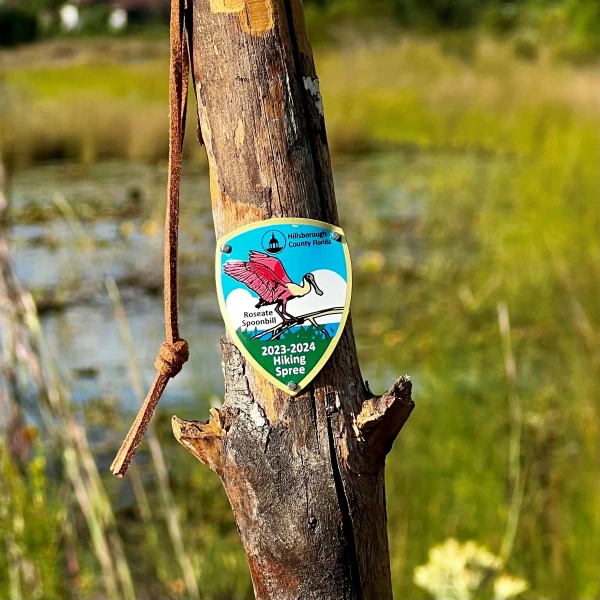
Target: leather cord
{"x": 174, "y": 353}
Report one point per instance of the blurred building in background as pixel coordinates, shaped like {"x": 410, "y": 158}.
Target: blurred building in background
{"x": 31, "y": 20}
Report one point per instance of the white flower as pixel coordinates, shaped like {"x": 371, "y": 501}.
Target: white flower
{"x": 456, "y": 571}
{"x": 506, "y": 587}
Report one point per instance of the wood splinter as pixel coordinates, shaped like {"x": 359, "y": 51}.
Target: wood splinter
{"x": 204, "y": 440}
{"x": 382, "y": 417}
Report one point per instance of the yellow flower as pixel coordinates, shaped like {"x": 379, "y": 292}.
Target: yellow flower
{"x": 456, "y": 571}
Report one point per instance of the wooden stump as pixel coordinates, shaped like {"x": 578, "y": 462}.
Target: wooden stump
{"x": 304, "y": 475}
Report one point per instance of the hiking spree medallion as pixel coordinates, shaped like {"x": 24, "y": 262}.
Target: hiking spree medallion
{"x": 284, "y": 288}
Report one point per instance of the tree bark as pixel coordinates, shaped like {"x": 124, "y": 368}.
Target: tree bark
{"x": 304, "y": 475}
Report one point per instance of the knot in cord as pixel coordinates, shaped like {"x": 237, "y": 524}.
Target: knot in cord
{"x": 172, "y": 357}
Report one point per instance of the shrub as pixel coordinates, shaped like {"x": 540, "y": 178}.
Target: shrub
{"x": 525, "y": 45}
{"x": 16, "y": 26}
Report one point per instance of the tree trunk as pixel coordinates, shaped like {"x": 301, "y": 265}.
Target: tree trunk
{"x": 304, "y": 474}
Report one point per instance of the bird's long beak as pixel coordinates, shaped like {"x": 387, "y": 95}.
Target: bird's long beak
{"x": 317, "y": 289}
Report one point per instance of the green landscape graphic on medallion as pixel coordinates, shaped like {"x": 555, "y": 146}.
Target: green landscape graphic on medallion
{"x": 315, "y": 340}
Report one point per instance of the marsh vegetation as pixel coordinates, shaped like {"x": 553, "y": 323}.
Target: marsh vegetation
{"x": 468, "y": 186}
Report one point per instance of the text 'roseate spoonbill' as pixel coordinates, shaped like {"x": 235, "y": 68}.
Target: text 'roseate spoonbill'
{"x": 266, "y": 276}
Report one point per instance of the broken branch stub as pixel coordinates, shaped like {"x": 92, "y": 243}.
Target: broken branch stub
{"x": 381, "y": 418}
{"x": 204, "y": 439}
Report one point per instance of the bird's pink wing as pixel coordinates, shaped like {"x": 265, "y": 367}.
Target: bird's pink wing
{"x": 258, "y": 278}
{"x": 272, "y": 263}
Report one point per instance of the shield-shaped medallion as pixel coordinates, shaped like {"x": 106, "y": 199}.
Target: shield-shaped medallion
{"x": 284, "y": 288}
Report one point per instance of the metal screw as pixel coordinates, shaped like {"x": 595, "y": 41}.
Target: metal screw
{"x": 292, "y": 385}
{"x": 226, "y": 249}
{"x": 336, "y": 236}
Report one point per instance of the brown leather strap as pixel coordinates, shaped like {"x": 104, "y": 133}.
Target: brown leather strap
{"x": 174, "y": 352}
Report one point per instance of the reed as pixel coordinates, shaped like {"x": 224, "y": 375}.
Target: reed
{"x": 516, "y": 432}
{"x": 64, "y": 433}
{"x": 168, "y": 506}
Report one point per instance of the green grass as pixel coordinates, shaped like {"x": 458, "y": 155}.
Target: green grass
{"x": 520, "y": 231}
{"x": 420, "y": 94}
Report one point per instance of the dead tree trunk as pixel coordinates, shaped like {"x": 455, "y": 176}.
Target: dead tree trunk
{"x": 304, "y": 474}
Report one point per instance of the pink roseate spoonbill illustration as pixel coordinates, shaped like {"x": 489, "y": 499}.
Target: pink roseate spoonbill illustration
{"x": 266, "y": 276}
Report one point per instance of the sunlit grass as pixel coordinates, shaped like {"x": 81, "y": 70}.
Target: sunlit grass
{"x": 521, "y": 231}
{"x": 408, "y": 92}
{"x": 412, "y": 93}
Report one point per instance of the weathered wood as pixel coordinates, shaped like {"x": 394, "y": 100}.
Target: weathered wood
{"x": 304, "y": 475}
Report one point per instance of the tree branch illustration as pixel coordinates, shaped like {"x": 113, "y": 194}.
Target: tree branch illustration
{"x": 312, "y": 317}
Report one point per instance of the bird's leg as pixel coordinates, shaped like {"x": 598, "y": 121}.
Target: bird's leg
{"x": 292, "y": 318}
{"x": 280, "y": 313}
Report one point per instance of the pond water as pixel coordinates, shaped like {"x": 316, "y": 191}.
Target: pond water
{"x": 118, "y": 233}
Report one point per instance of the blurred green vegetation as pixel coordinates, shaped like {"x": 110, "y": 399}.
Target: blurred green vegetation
{"x": 473, "y": 199}
{"x": 461, "y": 91}
{"x": 571, "y": 26}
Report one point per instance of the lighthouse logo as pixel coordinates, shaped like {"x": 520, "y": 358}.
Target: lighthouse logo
{"x": 284, "y": 288}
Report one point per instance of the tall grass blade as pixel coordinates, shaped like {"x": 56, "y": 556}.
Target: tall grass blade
{"x": 516, "y": 426}
{"x": 168, "y": 503}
